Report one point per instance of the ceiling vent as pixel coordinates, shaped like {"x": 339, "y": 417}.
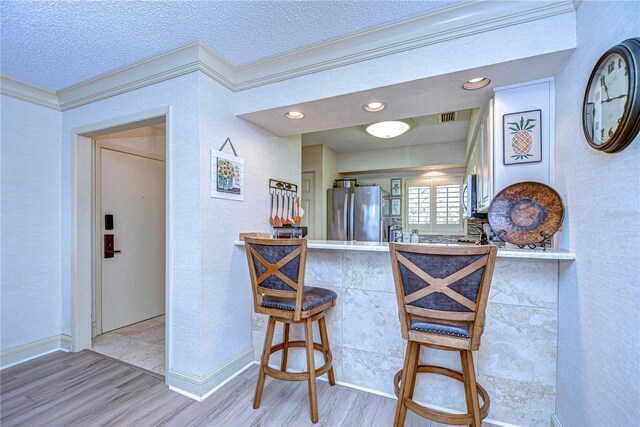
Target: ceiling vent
{"x": 448, "y": 117}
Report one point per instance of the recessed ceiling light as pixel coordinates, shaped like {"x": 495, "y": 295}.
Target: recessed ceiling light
{"x": 389, "y": 129}
{"x": 477, "y": 83}
{"x": 294, "y": 115}
{"x": 374, "y": 107}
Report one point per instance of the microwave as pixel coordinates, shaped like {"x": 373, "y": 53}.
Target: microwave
{"x": 469, "y": 198}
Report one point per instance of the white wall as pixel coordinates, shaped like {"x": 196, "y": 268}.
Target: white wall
{"x": 509, "y": 43}
{"x": 181, "y": 94}
{"x": 210, "y": 296}
{"x": 226, "y": 303}
{"x": 30, "y": 212}
{"x": 599, "y": 301}
{"x": 525, "y": 96}
{"x": 403, "y": 157}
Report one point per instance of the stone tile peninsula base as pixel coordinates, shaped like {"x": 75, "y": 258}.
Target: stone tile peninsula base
{"x": 517, "y": 359}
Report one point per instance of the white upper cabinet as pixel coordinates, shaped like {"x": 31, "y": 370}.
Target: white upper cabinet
{"x": 472, "y": 166}
{"x": 486, "y": 158}
{"x": 485, "y": 151}
{"x": 481, "y": 157}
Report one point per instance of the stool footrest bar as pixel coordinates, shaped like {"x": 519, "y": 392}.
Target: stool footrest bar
{"x": 440, "y": 416}
{"x": 299, "y": 376}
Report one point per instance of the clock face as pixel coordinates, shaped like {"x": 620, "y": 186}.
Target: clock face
{"x": 607, "y": 98}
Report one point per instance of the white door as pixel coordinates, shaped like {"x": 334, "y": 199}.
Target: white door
{"x": 132, "y": 190}
{"x": 307, "y": 201}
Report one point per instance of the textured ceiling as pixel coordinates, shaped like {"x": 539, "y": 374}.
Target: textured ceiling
{"x": 426, "y": 130}
{"x": 55, "y": 44}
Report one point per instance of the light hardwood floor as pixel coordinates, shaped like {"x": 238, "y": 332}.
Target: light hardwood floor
{"x": 89, "y": 389}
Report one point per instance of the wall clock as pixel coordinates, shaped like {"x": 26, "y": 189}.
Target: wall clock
{"x": 611, "y": 106}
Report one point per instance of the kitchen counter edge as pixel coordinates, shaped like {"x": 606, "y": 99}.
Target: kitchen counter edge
{"x": 549, "y": 254}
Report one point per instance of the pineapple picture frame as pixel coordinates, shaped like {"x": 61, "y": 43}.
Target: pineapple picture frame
{"x": 522, "y": 137}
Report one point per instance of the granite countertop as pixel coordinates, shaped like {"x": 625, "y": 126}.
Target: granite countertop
{"x": 550, "y": 254}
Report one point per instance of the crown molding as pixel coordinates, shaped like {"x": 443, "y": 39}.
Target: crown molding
{"x": 466, "y": 19}
{"x": 28, "y": 92}
{"x": 453, "y": 22}
{"x": 194, "y": 56}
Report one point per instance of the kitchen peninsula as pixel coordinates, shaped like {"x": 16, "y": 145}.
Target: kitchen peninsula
{"x": 517, "y": 360}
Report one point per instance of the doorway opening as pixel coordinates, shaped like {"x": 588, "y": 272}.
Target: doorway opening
{"x": 129, "y": 200}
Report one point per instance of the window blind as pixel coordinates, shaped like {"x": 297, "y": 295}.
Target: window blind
{"x": 419, "y": 205}
{"x": 432, "y": 205}
{"x": 448, "y": 204}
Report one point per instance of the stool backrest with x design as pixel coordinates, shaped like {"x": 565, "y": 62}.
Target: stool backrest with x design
{"x": 276, "y": 268}
{"x": 443, "y": 285}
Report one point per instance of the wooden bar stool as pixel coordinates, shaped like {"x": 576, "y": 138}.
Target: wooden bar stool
{"x": 442, "y": 296}
{"x": 276, "y": 267}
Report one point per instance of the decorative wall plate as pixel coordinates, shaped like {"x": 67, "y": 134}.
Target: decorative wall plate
{"x": 526, "y": 213}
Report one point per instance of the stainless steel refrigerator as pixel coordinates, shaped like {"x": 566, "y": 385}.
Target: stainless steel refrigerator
{"x": 357, "y": 213}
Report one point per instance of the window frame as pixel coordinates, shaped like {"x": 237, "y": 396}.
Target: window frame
{"x": 433, "y": 228}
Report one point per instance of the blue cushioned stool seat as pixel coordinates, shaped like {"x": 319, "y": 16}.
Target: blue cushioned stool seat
{"x": 440, "y": 328}
{"x": 313, "y": 297}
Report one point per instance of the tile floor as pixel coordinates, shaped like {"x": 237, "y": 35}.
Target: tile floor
{"x": 141, "y": 344}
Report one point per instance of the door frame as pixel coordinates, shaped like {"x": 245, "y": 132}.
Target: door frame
{"x": 96, "y": 327}
{"x": 83, "y": 225}
{"x": 317, "y": 234}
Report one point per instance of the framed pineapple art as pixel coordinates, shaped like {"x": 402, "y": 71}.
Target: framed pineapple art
{"x": 522, "y": 137}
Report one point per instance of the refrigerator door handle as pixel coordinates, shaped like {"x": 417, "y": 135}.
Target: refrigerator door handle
{"x": 352, "y": 213}
{"x": 346, "y": 220}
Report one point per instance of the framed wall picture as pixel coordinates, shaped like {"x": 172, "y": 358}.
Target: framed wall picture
{"x": 396, "y": 206}
{"x": 522, "y": 137}
{"x": 227, "y": 176}
{"x": 396, "y": 187}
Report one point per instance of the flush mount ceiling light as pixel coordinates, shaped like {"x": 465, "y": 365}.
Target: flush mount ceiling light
{"x": 374, "y": 107}
{"x": 476, "y": 83}
{"x": 294, "y": 115}
{"x": 389, "y": 129}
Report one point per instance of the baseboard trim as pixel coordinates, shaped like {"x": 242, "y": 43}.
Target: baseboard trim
{"x": 555, "y": 421}
{"x": 25, "y": 352}
{"x": 65, "y": 342}
{"x": 201, "y": 387}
